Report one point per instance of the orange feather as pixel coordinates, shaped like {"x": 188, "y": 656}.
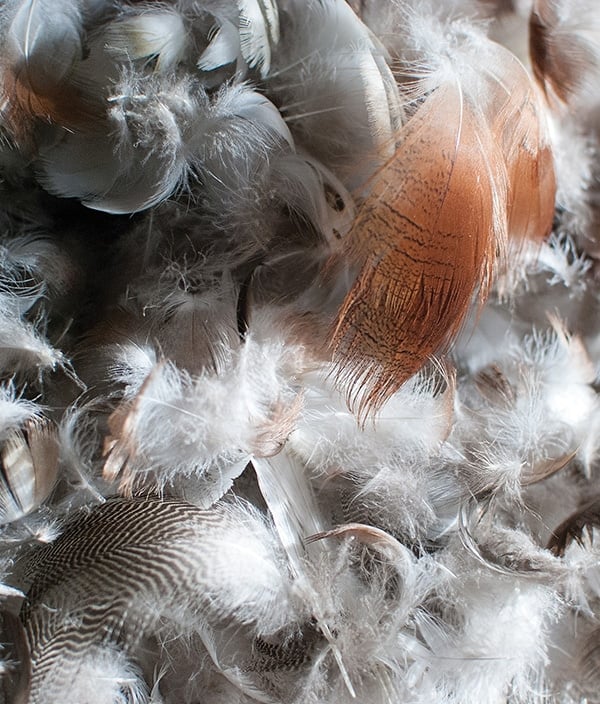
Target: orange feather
{"x": 425, "y": 240}
{"x": 519, "y": 122}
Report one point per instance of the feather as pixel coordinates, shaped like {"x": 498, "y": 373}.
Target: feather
{"x": 417, "y": 279}
{"x": 583, "y": 521}
{"x": 42, "y": 42}
{"x": 221, "y": 419}
{"x": 259, "y": 28}
{"x": 291, "y": 502}
{"x": 23, "y": 347}
{"x": 413, "y": 423}
{"x": 521, "y": 125}
{"x": 150, "y": 35}
{"x": 149, "y": 148}
{"x": 223, "y": 47}
{"x": 141, "y": 562}
{"x": 426, "y": 236}
{"x": 336, "y": 90}
{"x": 564, "y": 45}
{"x": 29, "y": 467}
{"x": 480, "y": 655}
{"x": 245, "y": 32}
{"x": 376, "y": 538}
{"x": 19, "y": 681}
{"x": 590, "y": 662}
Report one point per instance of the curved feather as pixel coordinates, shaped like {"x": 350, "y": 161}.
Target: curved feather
{"x": 520, "y": 123}
{"x": 259, "y": 27}
{"x": 41, "y": 45}
{"x": 573, "y": 528}
{"x": 425, "y": 241}
{"x": 128, "y": 565}
{"x": 28, "y": 468}
{"x": 562, "y": 45}
{"x": 160, "y": 35}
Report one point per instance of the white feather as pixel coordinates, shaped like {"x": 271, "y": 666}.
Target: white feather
{"x": 223, "y": 48}
{"x": 149, "y": 145}
{"x": 44, "y": 38}
{"x": 151, "y": 35}
{"x": 351, "y": 97}
{"x": 219, "y": 420}
{"x": 258, "y": 27}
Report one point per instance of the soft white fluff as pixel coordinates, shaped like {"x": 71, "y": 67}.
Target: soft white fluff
{"x": 183, "y": 423}
{"x": 152, "y": 141}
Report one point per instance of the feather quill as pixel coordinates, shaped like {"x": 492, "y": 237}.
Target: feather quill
{"x": 289, "y": 496}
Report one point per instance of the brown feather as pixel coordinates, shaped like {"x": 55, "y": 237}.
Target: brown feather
{"x": 425, "y": 241}
{"x": 559, "y": 59}
{"x": 26, "y": 102}
{"x": 584, "y": 520}
{"x": 518, "y": 119}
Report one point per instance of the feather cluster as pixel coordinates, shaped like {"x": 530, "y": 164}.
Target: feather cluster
{"x": 299, "y": 351}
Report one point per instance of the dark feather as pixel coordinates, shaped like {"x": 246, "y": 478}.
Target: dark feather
{"x": 583, "y": 521}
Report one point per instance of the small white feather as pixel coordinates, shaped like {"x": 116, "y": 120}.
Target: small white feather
{"x": 223, "y": 47}
{"x": 151, "y": 35}
{"x": 258, "y": 27}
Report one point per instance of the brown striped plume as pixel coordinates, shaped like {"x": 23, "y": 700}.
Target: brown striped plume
{"x": 425, "y": 241}
{"x": 559, "y": 58}
{"x": 519, "y": 120}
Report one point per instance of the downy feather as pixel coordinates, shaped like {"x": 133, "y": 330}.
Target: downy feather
{"x": 221, "y": 419}
{"x": 155, "y": 139}
{"x": 42, "y": 41}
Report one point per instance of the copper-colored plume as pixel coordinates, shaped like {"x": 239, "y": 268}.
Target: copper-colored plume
{"x": 467, "y": 173}
{"x": 425, "y": 240}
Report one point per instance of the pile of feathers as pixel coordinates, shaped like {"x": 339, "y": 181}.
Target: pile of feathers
{"x": 299, "y": 351}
